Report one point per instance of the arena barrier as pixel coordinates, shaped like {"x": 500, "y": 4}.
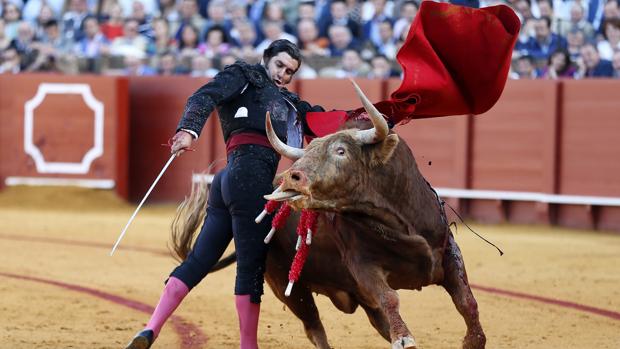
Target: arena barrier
{"x": 64, "y": 130}
{"x": 545, "y": 153}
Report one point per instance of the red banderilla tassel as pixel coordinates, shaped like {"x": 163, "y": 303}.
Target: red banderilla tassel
{"x": 278, "y": 221}
{"x": 307, "y": 223}
{"x": 270, "y": 208}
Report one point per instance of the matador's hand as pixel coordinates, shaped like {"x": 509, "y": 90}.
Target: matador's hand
{"x": 181, "y": 141}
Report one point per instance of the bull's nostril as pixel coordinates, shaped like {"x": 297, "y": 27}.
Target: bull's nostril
{"x": 295, "y": 177}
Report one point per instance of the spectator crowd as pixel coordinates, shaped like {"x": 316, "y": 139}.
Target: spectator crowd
{"x": 338, "y": 38}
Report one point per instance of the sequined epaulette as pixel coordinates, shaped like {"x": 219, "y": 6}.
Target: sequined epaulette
{"x": 254, "y": 73}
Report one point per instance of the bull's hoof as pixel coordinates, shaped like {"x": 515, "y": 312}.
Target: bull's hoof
{"x": 404, "y": 343}
{"x": 142, "y": 340}
{"x": 474, "y": 341}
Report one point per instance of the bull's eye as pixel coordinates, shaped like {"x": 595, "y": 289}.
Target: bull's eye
{"x": 340, "y": 151}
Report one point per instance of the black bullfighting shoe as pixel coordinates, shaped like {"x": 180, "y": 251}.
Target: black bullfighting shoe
{"x": 142, "y": 340}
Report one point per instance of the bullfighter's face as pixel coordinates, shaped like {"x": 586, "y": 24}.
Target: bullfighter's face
{"x": 281, "y": 68}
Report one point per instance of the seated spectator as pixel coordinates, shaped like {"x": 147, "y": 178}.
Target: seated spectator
{"x": 592, "y": 66}
{"x": 10, "y": 62}
{"x": 168, "y": 66}
{"x": 525, "y": 68}
{"x": 188, "y": 46}
{"x": 575, "y": 39}
{"x": 577, "y": 21}
{"x": 72, "y": 19}
{"x": 224, "y": 61}
{"x": 524, "y": 11}
{"x": 12, "y": 17}
{"x": 306, "y": 10}
{"x": 135, "y": 65}
{"x": 23, "y": 44}
{"x": 188, "y": 9}
{"x": 202, "y": 67}
{"x": 408, "y": 11}
{"x": 544, "y": 42}
{"x": 244, "y": 34}
{"x": 354, "y": 10}
{"x": 340, "y": 39}
{"x": 611, "y": 10}
{"x": 150, "y": 6}
{"x": 161, "y": 41}
{"x": 350, "y": 66}
{"x": 4, "y": 40}
{"x": 216, "y": 43}
{"x": 168, "y": 11}
{"x": 309, "y": 42}
{"x": 245, "y": 42}
{"x": 339, "y": 16}
{"x": 131, "y": 40}
{"x": 217, "y": 17}
{"x": 238, "y": 13}
{"x": 54, "y": 51}
{"x": 370, "y": 30}
{"x": 545, "y": 9}
{"x": 273, "y": 12}
{"x": 45, "y": 15}
{"x": 381, "y": 68}
{"x": 93, "y": 45}
{"x": 387, "y": 43}
{"x": 112, "y": 28}
{"x": 274, "y": 31}
{"x": 559, "y": 66}
{"x": 611, "y": 44}
{"x": 616, "y": 64}
{"x": 32, "y": 10}
{"x": 138, "y": 12}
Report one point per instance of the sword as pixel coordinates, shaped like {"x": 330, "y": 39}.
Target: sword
{"x": 142, "y": 202}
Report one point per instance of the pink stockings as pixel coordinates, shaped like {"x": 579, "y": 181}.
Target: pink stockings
{"x": 248, "y": 321}
{"x": 173, "y": 295}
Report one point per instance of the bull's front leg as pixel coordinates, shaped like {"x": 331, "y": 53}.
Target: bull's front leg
{"x": 455, "y": 282}
{"x": 380, "y": 297}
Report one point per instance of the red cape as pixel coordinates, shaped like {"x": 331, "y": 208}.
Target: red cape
{"x": 455, "y": 61}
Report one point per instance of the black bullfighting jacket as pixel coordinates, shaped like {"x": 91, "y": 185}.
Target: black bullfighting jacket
{"x": 243, "y": 94}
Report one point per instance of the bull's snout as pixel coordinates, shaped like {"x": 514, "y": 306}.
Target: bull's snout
{"x": 298, "y": 178}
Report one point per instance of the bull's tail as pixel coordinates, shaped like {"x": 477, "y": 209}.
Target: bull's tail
{"x": 190, "y": 213}
{"x": 224, "y": 262}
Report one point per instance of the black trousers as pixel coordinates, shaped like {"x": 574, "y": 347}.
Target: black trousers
{"x": 235, "y": 199}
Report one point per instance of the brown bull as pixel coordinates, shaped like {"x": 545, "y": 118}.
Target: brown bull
{"x": 381, "y": 228}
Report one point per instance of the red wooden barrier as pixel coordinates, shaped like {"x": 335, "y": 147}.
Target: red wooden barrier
{"x": 546, "y": 153}
{"x": 64, "y": 130}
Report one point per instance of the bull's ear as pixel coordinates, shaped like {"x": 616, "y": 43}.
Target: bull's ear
{"x": 383, "y": 151}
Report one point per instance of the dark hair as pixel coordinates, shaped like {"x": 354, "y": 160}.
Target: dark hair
{"x": 83, "y": 24}
{"x": 282, "y": 45}
{"x": 615, "y": 22}
{"x": 50, "y": 23}
{"x": 410, "y": 2}
{"x": 218, "y": 28}
{"x": 526, "y": 57}
{"x": 567, "y": 60}
{"x": 547, "y": 21}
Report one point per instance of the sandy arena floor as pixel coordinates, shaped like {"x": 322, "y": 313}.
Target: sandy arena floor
{"x": 59, "y": 288}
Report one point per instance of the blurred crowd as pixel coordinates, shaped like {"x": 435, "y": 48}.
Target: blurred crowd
{"x": 338, "y": 38}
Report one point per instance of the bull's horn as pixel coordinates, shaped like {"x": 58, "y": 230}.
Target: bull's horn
{"x": 380, "y": 129}
{"x": 284, "y": 150}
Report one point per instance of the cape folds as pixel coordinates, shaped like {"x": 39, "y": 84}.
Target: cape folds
{"x": 455, "y": 62}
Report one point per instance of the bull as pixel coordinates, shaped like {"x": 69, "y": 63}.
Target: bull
{"x": 378, "y": 217}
